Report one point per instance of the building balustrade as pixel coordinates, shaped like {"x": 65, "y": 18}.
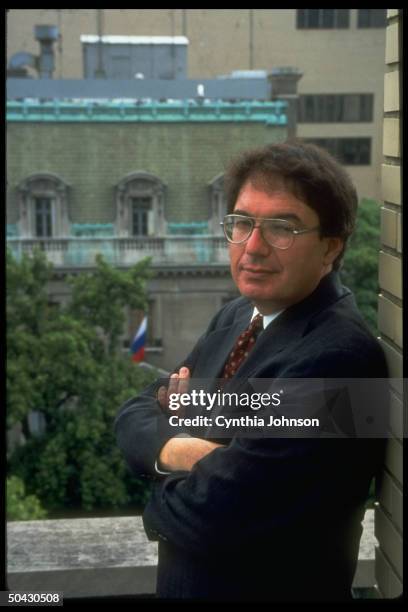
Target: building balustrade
{"x": 81, "y": 251}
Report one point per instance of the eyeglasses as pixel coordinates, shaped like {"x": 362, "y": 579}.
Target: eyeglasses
{"x": 276, "y": 232}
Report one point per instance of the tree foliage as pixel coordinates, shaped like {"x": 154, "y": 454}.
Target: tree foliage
{"x": 22, "y": 507}
{"x": 67, "y": 364}
{"x": 360, "y": 268}
{"x": 98, "y": 299}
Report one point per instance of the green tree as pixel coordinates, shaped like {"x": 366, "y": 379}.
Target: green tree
{"x": 360, "y": 267}
{"x": 26, "y": 313}
{"x": 68, "y": 365}
{"x": 22, "y": 507}
{"x": 99, "y": 298}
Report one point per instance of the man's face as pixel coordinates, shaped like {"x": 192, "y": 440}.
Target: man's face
{"x": 274, "y": 278}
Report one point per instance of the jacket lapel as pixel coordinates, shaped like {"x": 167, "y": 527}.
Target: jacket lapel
{"x": 219, "y": 343}
{"x": 289, "y": 326}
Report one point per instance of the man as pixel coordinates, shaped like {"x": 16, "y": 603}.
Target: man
{"x": 275, "y": 519}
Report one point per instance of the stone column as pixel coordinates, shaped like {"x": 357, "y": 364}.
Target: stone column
{"x": 388, "y": 512}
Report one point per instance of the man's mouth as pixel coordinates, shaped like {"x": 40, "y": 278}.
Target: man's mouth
{"x": 255, "y": 270}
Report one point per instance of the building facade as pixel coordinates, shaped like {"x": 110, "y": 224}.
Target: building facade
{"x": 340, "y": 53}
{"x": 130, "y": 181}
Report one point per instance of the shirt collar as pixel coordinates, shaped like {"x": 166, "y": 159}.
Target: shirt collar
{"x": 266, "y": 318}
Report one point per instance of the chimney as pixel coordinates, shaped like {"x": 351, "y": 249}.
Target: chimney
{"x": 284, "y": 82}
{"x": 46, "y": 36}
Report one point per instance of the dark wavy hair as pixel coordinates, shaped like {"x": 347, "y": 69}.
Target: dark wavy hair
{"x": 307, "y": 171}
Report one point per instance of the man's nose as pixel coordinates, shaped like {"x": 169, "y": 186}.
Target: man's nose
{"x": 256, "y": 245}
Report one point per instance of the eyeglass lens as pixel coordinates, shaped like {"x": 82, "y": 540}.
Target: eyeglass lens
{"x": 275, "y": 232}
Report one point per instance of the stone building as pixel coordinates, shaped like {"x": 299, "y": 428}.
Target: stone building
{"x": 146, "y": 177}
{"x": 129, "y": 181}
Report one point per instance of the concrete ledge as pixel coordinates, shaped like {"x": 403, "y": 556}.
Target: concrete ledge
{"x": 112, "y": 581}
{"x": 108, "y": 557}
{"x": 78, "y": 544}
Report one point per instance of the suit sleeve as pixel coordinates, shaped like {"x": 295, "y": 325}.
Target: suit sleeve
{"x": 252, "y": 489}
{"x": 255, "y": 488}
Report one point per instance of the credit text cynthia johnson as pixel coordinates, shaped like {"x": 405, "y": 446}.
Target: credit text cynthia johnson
{"x": 242, "y": 421}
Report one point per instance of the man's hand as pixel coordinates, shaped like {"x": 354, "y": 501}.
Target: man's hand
{"x": 178, "y": 383}
{"x": 183, "y": 453}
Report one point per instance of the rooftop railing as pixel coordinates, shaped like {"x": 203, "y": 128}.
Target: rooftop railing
{"x": 271, "y": 113}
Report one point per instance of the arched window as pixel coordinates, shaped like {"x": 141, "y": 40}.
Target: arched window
{"x": 140, "y": 205}
{"x": 218, "y": 205}
{"x": 43, "y": 207}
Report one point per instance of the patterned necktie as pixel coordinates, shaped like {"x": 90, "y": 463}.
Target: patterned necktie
{"x": 243, "y": 345}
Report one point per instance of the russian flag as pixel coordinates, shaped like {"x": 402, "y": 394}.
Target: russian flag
{"x": 137, "y": 347}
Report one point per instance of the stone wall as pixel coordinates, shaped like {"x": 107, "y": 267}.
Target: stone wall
{"x": 388, "y": 514}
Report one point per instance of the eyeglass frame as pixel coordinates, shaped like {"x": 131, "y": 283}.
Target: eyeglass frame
{"x": 294, "y": 232}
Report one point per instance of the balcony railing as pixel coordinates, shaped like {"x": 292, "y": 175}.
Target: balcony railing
{"x": 78, "y": 251}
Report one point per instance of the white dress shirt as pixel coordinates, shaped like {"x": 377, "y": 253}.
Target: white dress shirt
{"x": 266, "y": 318}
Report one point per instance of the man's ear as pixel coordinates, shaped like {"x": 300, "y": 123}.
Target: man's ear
{"x": 334, "y": 247}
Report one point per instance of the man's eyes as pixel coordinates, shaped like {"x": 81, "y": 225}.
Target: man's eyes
{"x": 275, "y": 226}
{"x": 269, "y": 225}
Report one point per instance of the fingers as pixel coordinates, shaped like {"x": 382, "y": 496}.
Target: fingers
{"x": 184, "y": 379}
{"x": 178, "y": 383}
{"x": 183, "y": 384}
{"x": 173, "y": 384}
{"x": 162, "y": 397}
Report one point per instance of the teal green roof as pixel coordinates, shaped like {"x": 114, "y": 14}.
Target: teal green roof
{"x": 271, "y": 113}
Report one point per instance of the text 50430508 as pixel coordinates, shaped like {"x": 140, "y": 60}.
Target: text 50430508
{"x": 20, "y": 598}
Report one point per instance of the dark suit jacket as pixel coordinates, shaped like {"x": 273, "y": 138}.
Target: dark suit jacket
{"x": 269, "y": 519}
